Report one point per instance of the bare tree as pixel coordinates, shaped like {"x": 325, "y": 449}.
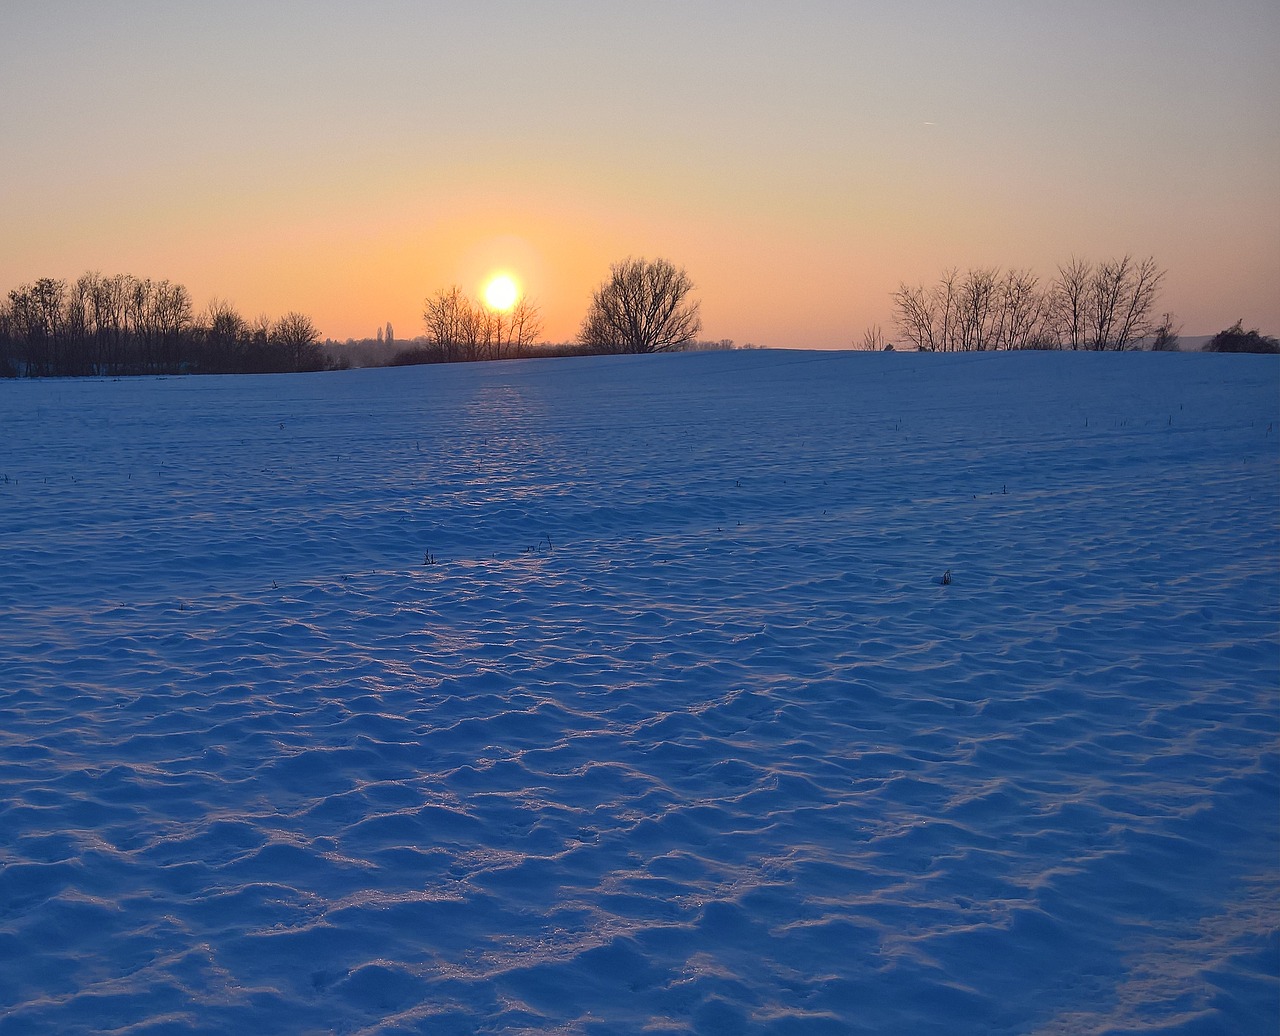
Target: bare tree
{"x": 78, "y": 328}
{"x": 523, "y": 327}
{"x": 917, "y": 317}
{"x": 947, "y": 306}
{"x": 173, "y": 317}
{"x": 110, "y": 297}
{"x": 138, "y": 315}
{"x": 1071, "y": 303}
{"x": 36, "y": 312}
{"x": 298, "y": 342}
{"x": 449, "y": 320}
{"x": 9, "y": 359}
{"x": 1107, "y": 288}
{"x": 643, "y": 307}
{"x": 260, "y": 354}
{"x": 976, "y": 307}
{"x": 1141, "y": 285}
{"x": 223, "y": 331}
{"x": 490, "y": 326}
{"x": 1107, "y": 306}
{"x": 872, "y": 339}
{"x": 930, "y": 318}
{"x": 1024, "y": 313}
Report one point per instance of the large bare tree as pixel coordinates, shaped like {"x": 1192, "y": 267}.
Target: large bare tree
{"x": 643, "y": 307}
{"x": 298, "y": 342}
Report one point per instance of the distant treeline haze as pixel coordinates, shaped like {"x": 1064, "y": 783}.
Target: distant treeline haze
{"x": 122, "y": 325}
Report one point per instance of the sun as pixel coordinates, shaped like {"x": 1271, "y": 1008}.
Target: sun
{"x": 501, "y": 292}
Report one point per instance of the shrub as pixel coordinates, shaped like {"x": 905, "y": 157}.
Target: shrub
{"x": 1236, "y": 339}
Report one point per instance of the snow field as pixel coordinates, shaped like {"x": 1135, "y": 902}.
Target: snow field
{"x": 621, "y": 695}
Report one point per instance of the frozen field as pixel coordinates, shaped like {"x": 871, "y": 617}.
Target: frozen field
{"x": 620, "y": 695}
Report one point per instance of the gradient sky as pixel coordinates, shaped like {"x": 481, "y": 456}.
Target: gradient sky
{"x": 801, "y": 159}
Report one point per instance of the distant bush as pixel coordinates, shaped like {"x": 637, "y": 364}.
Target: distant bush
{"x": 1236, "y": 339}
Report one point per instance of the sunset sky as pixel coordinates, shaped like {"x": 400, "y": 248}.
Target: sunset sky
{"x": 800, "y": 160}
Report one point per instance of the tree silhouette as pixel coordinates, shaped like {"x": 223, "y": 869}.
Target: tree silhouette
{"x": 643, "y": 307}
{"x": 1121, "y": 295}
{"x": 450, "y": 323}
{"x": 297, "y": 341}
{"x": 507, "y": 333}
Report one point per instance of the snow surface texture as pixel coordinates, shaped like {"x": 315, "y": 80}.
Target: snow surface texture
{"x": 623, "y": 694}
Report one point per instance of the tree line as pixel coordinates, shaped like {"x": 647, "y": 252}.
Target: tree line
{"x": 1097, "y": 306}
{"x": 121, "y": 325}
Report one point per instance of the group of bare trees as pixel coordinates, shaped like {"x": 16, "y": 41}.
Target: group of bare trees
{"x": 644, "y": 306}
{"x": 121, "y": 325}
{"x": 94, "y": 325}
{"x": 1098, "y": 306}
{"x": 458, "y": 328}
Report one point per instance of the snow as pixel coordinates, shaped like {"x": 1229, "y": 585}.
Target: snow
{"x": 615, "y": 695}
